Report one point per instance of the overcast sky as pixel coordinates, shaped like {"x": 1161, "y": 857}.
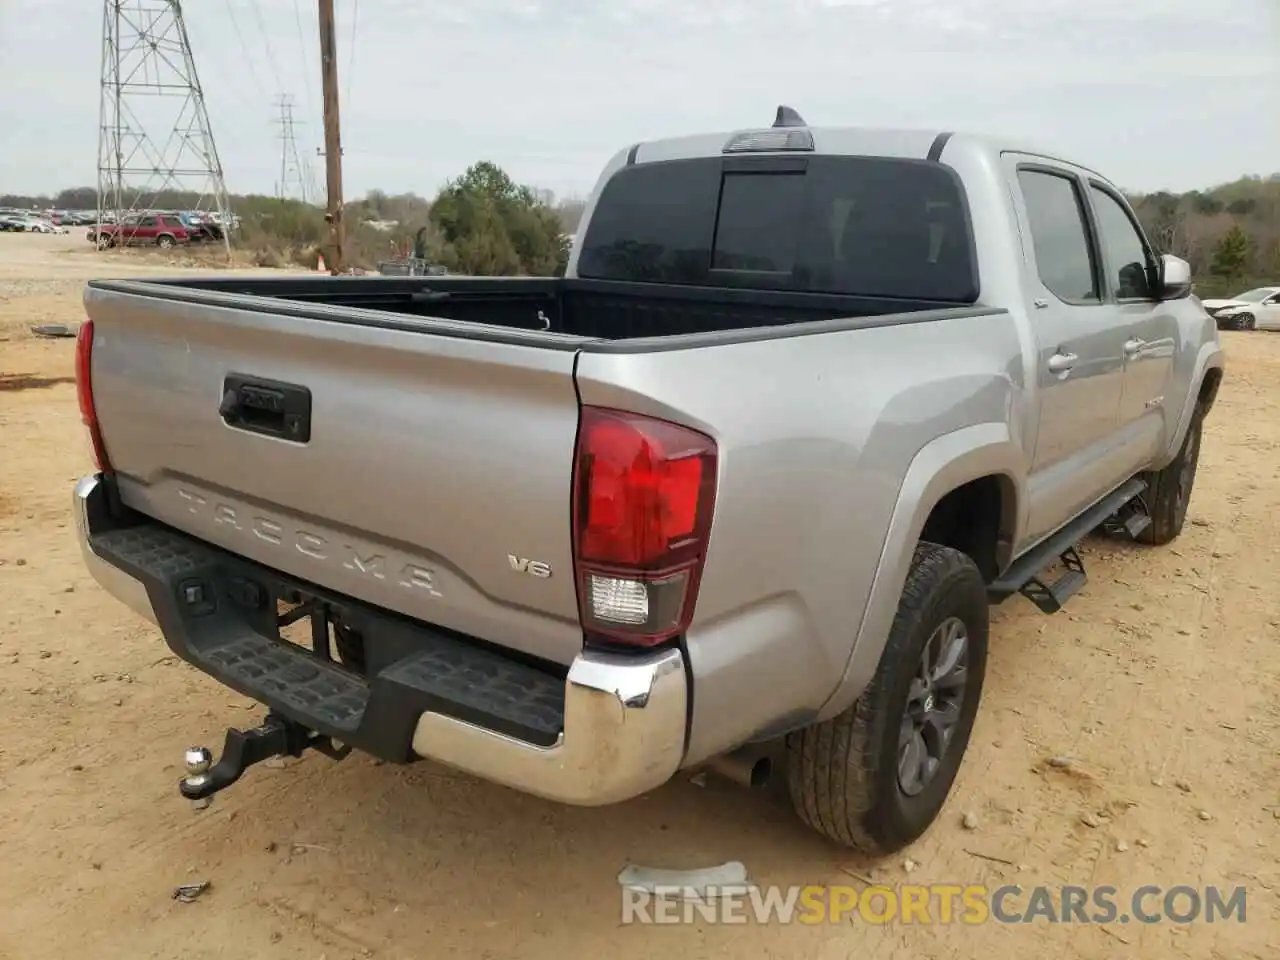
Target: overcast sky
{"x": 1155, "y": 93}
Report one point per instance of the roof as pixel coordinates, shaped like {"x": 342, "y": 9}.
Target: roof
{"x": 852, "y": 141}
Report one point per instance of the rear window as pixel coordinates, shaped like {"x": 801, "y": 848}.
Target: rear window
{"x": 861, "y": 226}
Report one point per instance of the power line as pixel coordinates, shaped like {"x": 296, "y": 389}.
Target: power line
{"x": 351, "y": 57}
{"x": 303, "y": 47}
{"x": 266, "y": 39}
{"x": 244, "y": 47}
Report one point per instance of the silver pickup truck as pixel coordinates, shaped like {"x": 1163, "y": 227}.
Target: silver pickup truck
{"x": 737, "y": 489}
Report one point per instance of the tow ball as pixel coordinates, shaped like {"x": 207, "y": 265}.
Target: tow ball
{"x": 276, "y": 737}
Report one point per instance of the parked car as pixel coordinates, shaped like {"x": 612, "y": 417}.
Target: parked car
{"x": 147, "y": 229}
{"x": 229, "y": 221}
{"x": 1257, "y": 309}
{"x": 411, "y": 267}
{"x": 742, "y": 484}
{"x": 201, "y": 227}
{"x": 29, "y": 223}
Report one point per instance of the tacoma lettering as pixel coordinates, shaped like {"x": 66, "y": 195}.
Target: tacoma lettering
{"x": 363, "y": 561}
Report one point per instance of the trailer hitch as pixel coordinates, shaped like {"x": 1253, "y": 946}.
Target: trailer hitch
{"x": 277, "y": 737}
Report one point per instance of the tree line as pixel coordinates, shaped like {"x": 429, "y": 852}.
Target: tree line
{"x": 481, "y": 223}
{"x": 1229, "y": 234}
{"x": 485, "y": 223}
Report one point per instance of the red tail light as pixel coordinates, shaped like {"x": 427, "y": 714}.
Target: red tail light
{"x": 644, "y": 492}
{"x": 84, "y": 391}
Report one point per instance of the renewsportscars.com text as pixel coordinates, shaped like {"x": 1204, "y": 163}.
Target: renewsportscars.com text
{"x": 936, "y": 904}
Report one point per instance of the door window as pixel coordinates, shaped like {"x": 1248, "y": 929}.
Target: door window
{"x": 1064, "y": 256}
{"x": 1126, "y": 253}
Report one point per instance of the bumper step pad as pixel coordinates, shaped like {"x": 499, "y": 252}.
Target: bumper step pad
{"x": 219, "y": 613}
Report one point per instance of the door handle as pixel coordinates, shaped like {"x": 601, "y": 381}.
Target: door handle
{"x": 1062, "y": 362}
{"x": 266, "y": 407}
{"x": 1133, "y": 347}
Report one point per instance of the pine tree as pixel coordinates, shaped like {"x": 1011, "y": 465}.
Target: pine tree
{"x": 1231, "y": 255}
{"x": 492, "y": 226}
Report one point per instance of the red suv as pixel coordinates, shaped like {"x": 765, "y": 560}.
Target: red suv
{"x": 147, "y": 229}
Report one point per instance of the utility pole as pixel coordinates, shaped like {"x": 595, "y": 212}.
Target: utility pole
{"x": 332, "y": 137}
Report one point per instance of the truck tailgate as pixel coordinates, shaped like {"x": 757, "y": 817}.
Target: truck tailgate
{"x": 435, "y": 481}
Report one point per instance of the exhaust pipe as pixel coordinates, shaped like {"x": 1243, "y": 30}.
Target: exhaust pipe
{"x": 747, "y": 766}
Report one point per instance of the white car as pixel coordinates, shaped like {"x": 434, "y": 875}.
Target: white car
{"x": 20, "y": 222}
{"x": 1257, "y": 309}
{"x": 39, "y": 225}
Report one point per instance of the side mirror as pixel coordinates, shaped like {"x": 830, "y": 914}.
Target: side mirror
{"x": 1175, "y": 278}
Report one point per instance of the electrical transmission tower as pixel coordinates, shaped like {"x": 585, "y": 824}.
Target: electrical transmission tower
{"x": 294, "y": 178}
{"x": 154, "y": 137}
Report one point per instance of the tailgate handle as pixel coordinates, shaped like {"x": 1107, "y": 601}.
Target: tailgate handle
{"x": 266, "y": 407}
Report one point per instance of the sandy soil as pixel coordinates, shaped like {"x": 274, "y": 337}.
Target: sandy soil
{"x": 1161, "y": 678}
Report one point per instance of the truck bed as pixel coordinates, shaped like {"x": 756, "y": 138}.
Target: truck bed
{"x": 409, "y": 442}
{"x": 576, "y": 308}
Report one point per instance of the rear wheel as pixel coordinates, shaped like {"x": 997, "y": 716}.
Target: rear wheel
{"x": 164, "y": 242}
{"x": 876, "y": 776}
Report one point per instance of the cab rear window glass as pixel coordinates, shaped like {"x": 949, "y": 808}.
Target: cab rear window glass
{"x": 862, "y": 226}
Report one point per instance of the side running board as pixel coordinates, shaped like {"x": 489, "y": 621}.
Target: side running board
{"x": 1124, "y": 509}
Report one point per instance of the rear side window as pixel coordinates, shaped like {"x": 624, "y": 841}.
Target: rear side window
{"x": 859, "y": 226}
{"x": 1064, "y": 256}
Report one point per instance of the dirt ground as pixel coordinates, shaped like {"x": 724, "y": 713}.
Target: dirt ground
{"x": 1161, "y": 680}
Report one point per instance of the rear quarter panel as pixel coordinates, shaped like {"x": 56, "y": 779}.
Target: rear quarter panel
{"x": 817, "y": 435}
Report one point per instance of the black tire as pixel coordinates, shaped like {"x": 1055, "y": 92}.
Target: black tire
{"x": 164, "y": 241}
{"x": 843, "y": 774}
{"x": 1169, "y": 490}
{"x": 1248, "y": 322}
